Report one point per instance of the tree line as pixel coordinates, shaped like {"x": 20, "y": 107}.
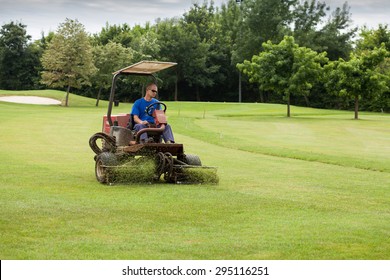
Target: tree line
{"x": 284, "y": 51}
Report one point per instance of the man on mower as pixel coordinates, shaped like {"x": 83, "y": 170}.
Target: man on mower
{"x": 143, "y": 120}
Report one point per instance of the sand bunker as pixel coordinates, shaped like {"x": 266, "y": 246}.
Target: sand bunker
{"x": 30, "y": 100}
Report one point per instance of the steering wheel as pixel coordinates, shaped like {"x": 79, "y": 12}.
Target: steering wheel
{"x": 150, "y": 112}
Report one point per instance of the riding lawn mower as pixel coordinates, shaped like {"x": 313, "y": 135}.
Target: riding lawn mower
{"x": 122, "y": 157}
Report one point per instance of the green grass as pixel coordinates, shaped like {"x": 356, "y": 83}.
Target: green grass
{"x": 315, "y": 186}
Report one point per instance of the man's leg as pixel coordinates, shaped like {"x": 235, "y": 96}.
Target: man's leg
{"x": 168, "y": 134}
{"x": 138, "y": 127}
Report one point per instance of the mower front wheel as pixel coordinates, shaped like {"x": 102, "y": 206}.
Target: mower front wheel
{"x": 103, "y": 162}
{"x": 192, "y": 160}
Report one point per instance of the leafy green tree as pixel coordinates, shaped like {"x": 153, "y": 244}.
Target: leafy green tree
{"x": 145, "y": 45}
{"x": 200, "y": 21}
{"x": 68, "y": 60}
{"x": 333, "y": 35}
{"x": 373, "y": 38}
{"x": 285, "y": 68}
{"x": 31, "y": 75}
{"x": 230, "y": 18}
{"x": 142, "y": 39}
{"x": 120, "y": 34}
{"x": 180, "y": 42}
{"x": 358, "y": 77}
{"x": 19, "y": 60}
{"x": 337, "y": 34}
{"x": 308, "y": 15}
{"x": 249, "y": 24}
{"x": 172, "y": 48}
{"x": 369, "y": 39}
{"x": 107, "y": 59}
{"x": 263, "y": 20}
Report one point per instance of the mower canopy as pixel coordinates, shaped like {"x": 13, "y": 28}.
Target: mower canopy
{"x": 145, "y": 68}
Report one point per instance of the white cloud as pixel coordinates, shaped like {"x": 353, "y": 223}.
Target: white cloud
{"x": 364, "y": 12}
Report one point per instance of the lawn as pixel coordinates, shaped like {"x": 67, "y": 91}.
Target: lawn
{"x": 314, "y": 186}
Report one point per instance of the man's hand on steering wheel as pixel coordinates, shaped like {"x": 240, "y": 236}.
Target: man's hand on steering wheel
{"x": 152, "y": 106}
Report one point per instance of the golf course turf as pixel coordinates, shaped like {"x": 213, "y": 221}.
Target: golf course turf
{"x": 313, "y": 186}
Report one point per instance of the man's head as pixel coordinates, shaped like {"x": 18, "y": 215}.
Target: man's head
{"x": 151, "y": 90}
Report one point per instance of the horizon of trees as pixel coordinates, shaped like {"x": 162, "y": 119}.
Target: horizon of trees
{"x": 209, "y": 44}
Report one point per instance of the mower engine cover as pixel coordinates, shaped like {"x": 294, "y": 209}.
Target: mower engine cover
{"x": 159, "y": 117}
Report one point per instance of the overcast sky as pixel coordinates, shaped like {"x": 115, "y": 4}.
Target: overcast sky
{"x": 46, "y": 15}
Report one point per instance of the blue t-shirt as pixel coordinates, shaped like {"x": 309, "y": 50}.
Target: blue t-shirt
{"x": 140, "y": 106}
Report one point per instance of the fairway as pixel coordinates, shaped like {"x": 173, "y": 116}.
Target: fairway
{"x": 314, "y": 186}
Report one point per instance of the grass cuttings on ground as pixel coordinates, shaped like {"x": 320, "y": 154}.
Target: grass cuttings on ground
{"x": 200, "y": 175}
{"x": 140, "y": 170}
{"x": 143, "y": 170}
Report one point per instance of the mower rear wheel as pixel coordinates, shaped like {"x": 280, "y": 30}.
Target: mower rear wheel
{"x": 103, "y": 161}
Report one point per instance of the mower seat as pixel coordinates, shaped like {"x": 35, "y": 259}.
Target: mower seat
{"x": 131, "y": 123}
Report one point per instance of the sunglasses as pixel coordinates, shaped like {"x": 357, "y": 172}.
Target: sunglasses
{"x": 154, "y": 91}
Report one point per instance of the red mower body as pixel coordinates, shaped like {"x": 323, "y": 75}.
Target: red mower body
{"x": 120, "y": 120}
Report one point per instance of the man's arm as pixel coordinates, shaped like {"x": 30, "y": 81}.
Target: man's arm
{"x": 139, "y": 121}
{"x": 135, "y": 111}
